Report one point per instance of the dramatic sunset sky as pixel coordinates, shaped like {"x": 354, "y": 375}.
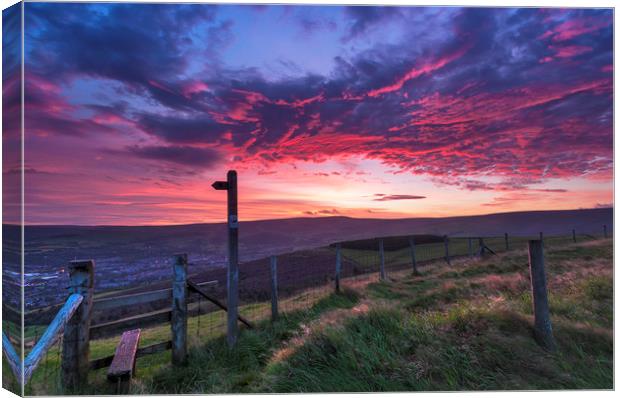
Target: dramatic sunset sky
{"x": 132, "y": 111}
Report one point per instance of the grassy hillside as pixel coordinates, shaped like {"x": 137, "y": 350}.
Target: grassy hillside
{"x": 460, "y": 327}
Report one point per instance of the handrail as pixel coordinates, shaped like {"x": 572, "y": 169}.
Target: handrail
{"x": 45, "y": 342}
{"x": 124, "y": 300}
{"x": 196, "y": 288}
{"x": 105, "y": 305}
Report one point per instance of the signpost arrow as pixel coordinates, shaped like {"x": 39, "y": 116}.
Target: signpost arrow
{"x": 220, "y": 185}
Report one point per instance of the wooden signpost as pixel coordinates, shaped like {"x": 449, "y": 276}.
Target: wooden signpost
{"x": 230, "y": 185}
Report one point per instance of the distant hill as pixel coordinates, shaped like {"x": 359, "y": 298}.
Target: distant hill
{"x": 260, "y": 238}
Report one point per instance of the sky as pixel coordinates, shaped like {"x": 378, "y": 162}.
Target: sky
{"x": 133, "y": 110}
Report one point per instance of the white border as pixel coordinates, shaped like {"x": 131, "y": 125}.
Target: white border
{"x": 483, "y": 3}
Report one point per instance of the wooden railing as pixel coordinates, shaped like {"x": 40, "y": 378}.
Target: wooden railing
{"x": 15, "y": 362}
{"x": 135, "y": 310}
{"x": 23, "y": 372}
{"x": 119, "y": 313}
{"x": 51, "y": 334}
{"x": 171, "y": 305}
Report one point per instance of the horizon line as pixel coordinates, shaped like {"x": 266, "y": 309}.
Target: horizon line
{"x": 302, "y": 217}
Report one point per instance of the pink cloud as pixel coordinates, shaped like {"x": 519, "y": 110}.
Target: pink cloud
{"x": 569, "y": 51}
{"x": 425, "y": 68}
{"x": 161, "y": 86}
{"x": 194, "y": 87}
{"x": 575, "y": 27}
{"x": 301, "y": 103}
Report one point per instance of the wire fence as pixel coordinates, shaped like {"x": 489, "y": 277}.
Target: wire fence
{"x": 47, "y": 378}
{"x": 303, "y": 279}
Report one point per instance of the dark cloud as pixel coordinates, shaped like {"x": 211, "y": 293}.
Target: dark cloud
{"x": 490, "y": 94}
{"x": 47, "y": 113}
{"x": 200, "y": 129}
{"x": 220, "y": 36}
{"x": 141, "y": 45}
{"x": 11, "y": 40}
{"x": 386, "y": 198}
{"x": 187, "y": 156}
{"x": 364, "y": 17}
{"x": 322, "y": 212}
{"x": 552, "y": 190}
{"x": 11, "y": 82}
{"x": 25, "y": 170}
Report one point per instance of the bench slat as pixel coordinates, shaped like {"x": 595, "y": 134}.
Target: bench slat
{"x": 105, "y": 362}
{"x": 125, "y": 356}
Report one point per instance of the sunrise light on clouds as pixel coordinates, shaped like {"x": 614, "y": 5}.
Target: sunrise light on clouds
{"x": 133, "y": 110}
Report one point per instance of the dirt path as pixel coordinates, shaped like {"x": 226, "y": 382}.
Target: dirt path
{"x": 330, "y": 318}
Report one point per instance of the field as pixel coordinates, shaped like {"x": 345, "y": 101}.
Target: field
{"x": 464, "y": 326}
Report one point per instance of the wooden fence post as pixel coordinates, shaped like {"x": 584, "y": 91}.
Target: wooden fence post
{"x": 75, "y": 349}
{"x": 447, "y": 249}
{"x": 413, "y": 260}
{"x": 605, "y": 231}
{"x": 506, "y": 240}
{"x": 381, "y": 260}
{"x": 574, "y": 236}
{"x": 471, "y": 252}
{"x": 542, "y": 322}
{"x": 274, "y": 288}
{"x": 480, "y": 247}
{"x": 338, "y": 266}
{"x": 179, "y": 310}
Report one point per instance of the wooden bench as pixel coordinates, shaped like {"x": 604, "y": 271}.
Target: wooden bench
{"x": 123, "y": 366}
